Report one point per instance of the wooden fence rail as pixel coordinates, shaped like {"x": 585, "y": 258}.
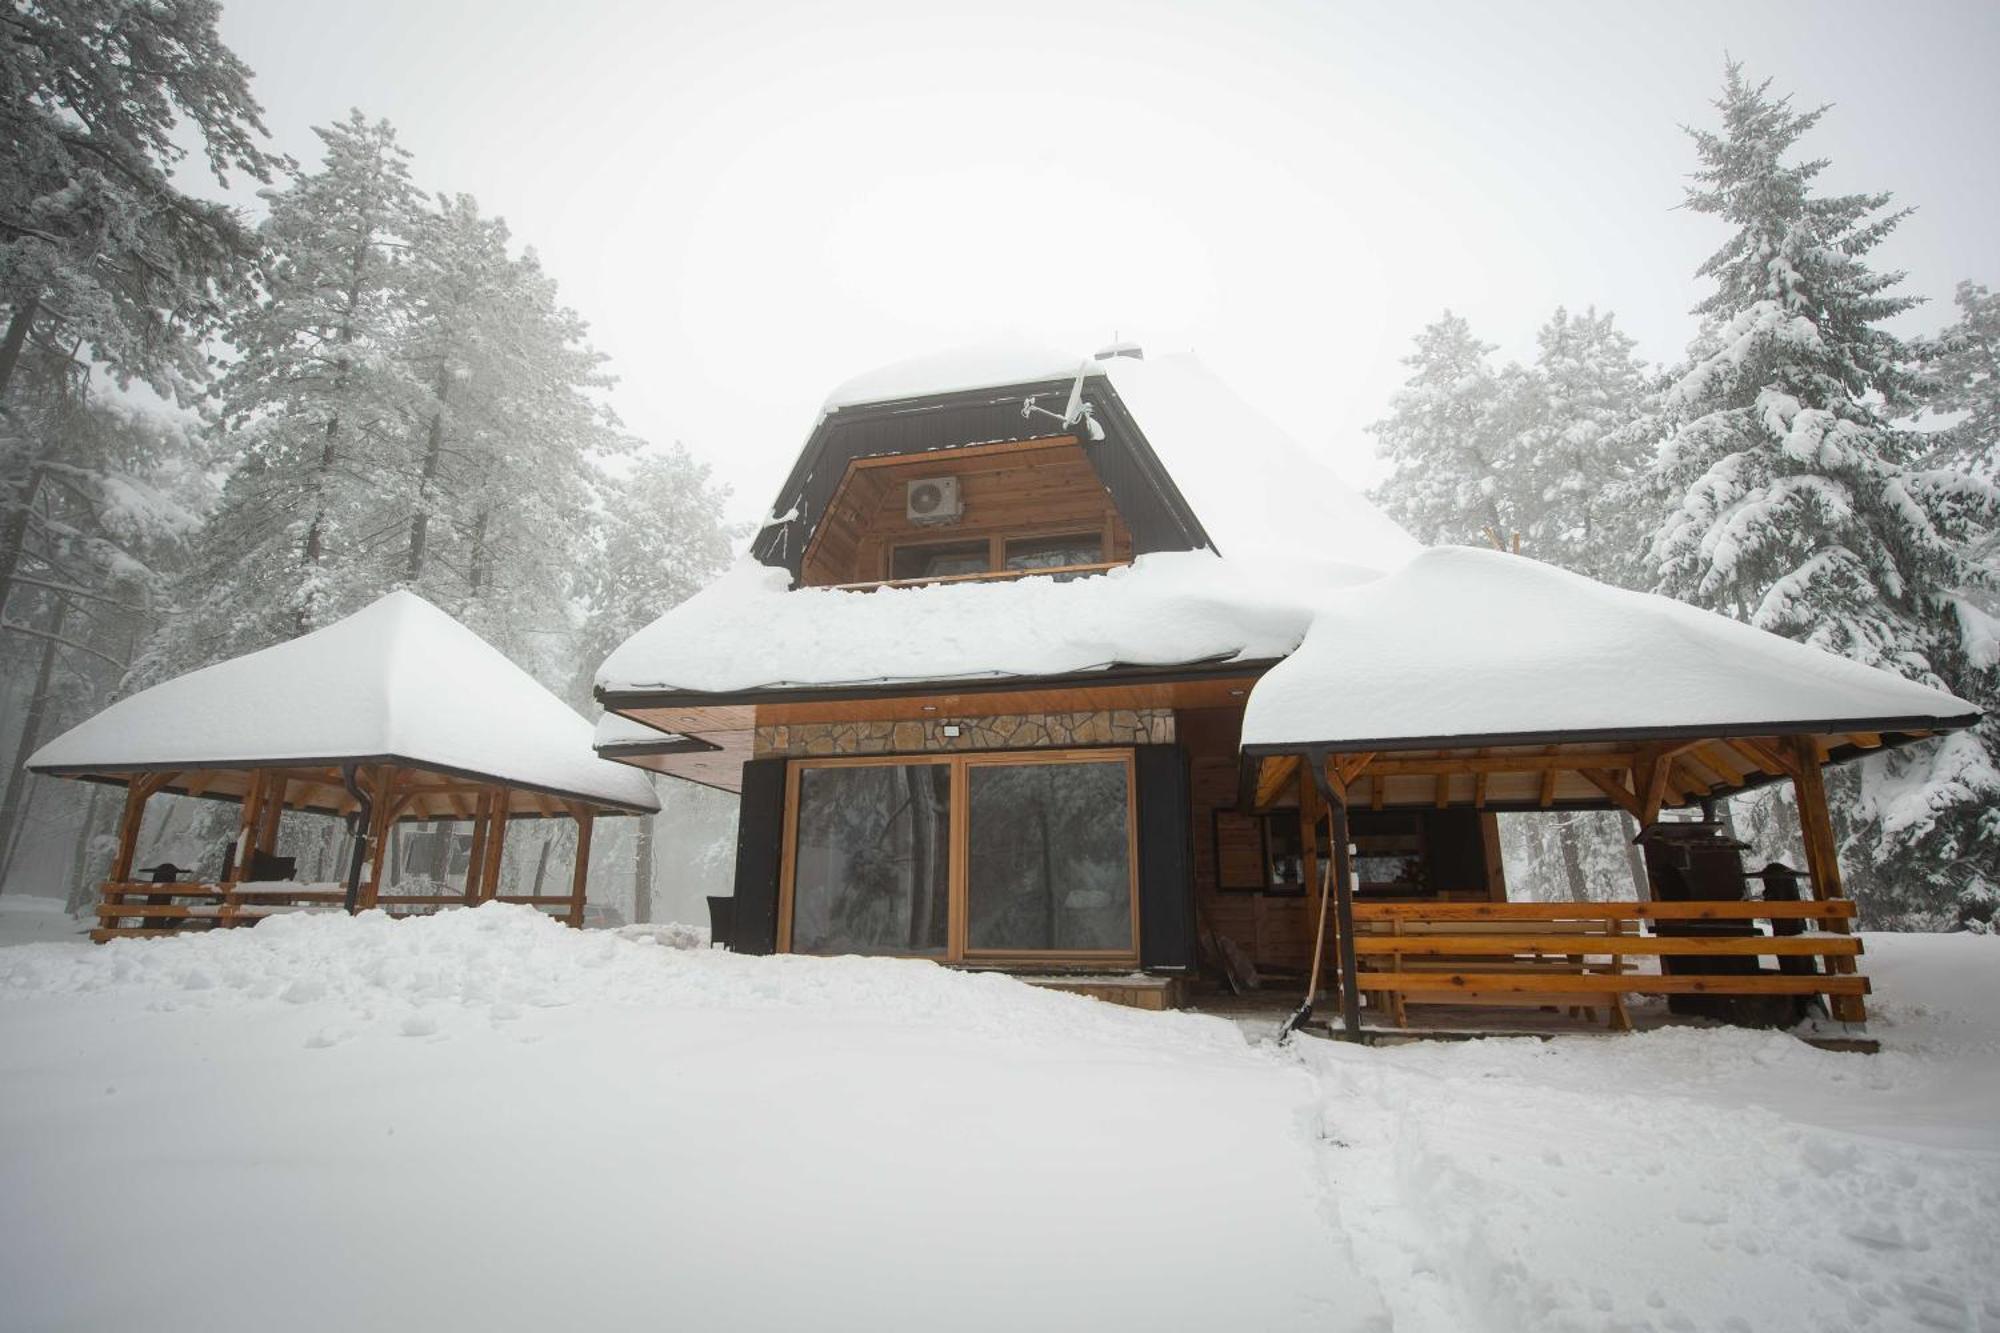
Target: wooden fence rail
{"x": 167, "y": 909}
{"x": 1579, "y": 955}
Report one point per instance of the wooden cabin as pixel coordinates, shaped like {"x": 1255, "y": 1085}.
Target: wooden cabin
{"x": 982, "y": 684}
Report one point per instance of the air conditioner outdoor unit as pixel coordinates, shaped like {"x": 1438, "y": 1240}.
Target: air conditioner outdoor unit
{"x": 933, "y": 500}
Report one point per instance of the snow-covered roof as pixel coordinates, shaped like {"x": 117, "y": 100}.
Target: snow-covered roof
{"x": 746, "y": 632}
{"x": 1285, "y": 531}
{"x": 1264, "y": 499}
{"x": 398, "y": 679}
{"x": 986, "y": 365}
{"x": 1464, "y": 643}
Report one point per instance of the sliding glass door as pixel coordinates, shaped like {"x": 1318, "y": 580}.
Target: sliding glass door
{"x": 1049, "y": 857}
{"x": 1024, "y": 856}
{"x": 872, "y": 866}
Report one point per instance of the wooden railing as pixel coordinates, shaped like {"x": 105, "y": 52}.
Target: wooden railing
{"x": 1568, "y": 955}
{"x": 166, "y": 909}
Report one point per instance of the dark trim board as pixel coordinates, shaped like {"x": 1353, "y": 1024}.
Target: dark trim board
{"x": 1886, "y": 727}
{"x": 104, "y": 773}
{"x": 1113, "y": 676}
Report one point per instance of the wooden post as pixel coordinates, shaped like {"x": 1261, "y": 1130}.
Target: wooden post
{"x": 495, "y": 849}
{"x": 476, "y": 860}
{"x": 1823, "y": 860}
{"x": 1309, "y": 852}
{"x": 1343, "y": 894}
{"x": 128, "y": 828}
{"x": 580, "y": 875}
{"x": 272, "y": 810}
{"x": 246, "y": 827}
{"x": 382, "y": 821}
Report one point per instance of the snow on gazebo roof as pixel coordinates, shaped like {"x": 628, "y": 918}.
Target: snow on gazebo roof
{"x": 1283, "y": 528}
{"x": 397, "y": 680}
{"x": 1462, "y": 644}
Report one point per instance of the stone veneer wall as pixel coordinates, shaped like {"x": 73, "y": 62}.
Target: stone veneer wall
{"x": 1019, "y": 731}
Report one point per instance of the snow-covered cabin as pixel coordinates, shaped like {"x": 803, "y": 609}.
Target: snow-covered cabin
{"x": 395, "y": 713}
{"x": 1063, "y": 663}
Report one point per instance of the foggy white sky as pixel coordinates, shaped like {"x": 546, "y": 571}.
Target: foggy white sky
{"x": 752, "y": 202}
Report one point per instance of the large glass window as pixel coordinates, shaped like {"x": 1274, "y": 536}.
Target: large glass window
{"x": 1048, "y": 862}
{"x": 872, "y": 859}
{"x": 984, "y": 855}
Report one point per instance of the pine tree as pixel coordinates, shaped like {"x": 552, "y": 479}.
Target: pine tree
{"x": 314, "y": 404}
{"x": 97, "y": 245}
{"x": 1962, "y": 375}
{"x": 1585, "y": 448}
{"x": 1794, "y": 501}
{"x": 497, "y": 482}
{"x": 1450, "y": 438}
{"x": 660, "y": 539}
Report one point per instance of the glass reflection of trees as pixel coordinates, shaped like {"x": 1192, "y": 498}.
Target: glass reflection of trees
{"x": 872, "y": 860}
{"x": 1050, "y": 857}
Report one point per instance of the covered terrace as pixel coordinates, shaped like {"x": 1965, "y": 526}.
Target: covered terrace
{"x": 397, "y": 713}
{"x": 1485, "y": 680}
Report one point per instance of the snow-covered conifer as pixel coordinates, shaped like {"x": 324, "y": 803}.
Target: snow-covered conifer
{"x": 1793, "y": 499}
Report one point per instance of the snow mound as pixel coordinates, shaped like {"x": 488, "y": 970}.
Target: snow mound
{"x": 502, "y": 960}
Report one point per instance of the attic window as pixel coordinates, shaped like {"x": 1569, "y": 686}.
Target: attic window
{"x": 1055, "y": 552}
{"x": 940, "y": 560}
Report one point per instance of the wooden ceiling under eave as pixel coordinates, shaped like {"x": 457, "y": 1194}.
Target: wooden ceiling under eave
{"x": 1635, "y": 776}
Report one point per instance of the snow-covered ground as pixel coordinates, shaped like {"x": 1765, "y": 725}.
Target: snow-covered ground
{"x": 481, "y": 1119}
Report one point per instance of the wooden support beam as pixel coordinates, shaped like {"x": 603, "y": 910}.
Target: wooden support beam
{"x": 1479, "y": 790}
{"x": 1378, "y": 790}
{"x": 496, "y": 846}
{"x": 1347, "y": 767}
{"x": 1611, "y": 786}
{"x": 580, "y": 872}
{"x": 1547, "y": 796}
{"x": 136, "y": 794}
{"x": 272, "y": 810}
{"x": 1402, "y": 767}
{"x": 250, "y": 818}
{"x": 1272, "y": 775}
{"x": 1822, "y": 858}
{"x": 1649, "y": 780}
{"x": 381, "y": 826}
{"x": 475, "y": 863}
{"x": 1767, "y": 756}
{"x": 1443, "y": 792}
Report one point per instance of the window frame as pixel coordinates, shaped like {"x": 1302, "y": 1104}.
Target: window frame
{"x": 959, "y": 840}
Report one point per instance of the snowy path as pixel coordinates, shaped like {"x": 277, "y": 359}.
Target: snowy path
{"x": 1684, "y": 1180}
{"x": 485, "y": 1120}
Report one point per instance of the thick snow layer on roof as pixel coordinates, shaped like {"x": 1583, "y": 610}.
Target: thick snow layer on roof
{"x": 1288, "y": 532}
{"x": 747, "y": 632}
{"x": 1262, "y": 497}
{"x": 1462, "y": 642}
{"x": 397, "y": 678}
{"x": 984, "y": 365}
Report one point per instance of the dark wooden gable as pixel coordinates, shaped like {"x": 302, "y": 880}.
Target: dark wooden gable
{"x": 1153, "y": 513}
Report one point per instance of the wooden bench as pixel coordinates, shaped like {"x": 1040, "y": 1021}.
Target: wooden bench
{"x": 1551, "y": 955}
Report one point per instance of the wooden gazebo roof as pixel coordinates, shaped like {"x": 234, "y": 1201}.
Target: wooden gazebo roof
{"x": 398, "y": 688}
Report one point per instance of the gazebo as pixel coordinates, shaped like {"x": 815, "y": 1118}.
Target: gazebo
{"x": 397, "y": 712}
{"x": 1479, "y": 679}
